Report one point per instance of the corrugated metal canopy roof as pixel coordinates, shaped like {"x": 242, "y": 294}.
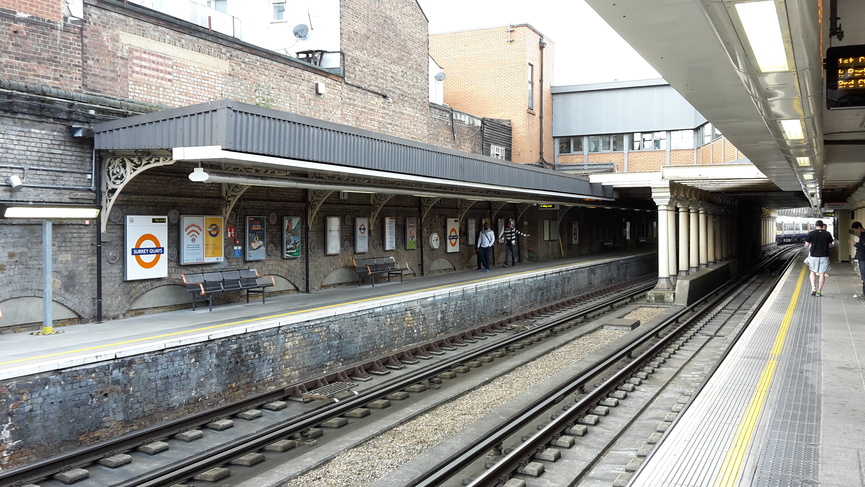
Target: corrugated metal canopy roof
{"x": 238, "y": 135}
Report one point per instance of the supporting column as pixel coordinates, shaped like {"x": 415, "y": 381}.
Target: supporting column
{"x": 683, "y": 239}
{"x": 704, "y": 242}
{"x": 671, "y": 241}
{"x": 719, "y": 238}
{"x": 710, "y": 237}
{"x": 693, "y": 238}
{"x": 664, "y": 292}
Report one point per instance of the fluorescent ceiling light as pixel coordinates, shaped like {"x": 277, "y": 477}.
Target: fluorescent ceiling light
{"x": 808, "y": 176}
{"x": 51, "y": 212}
{"x": 760, "y": 21}
{"x": 803, "y": 161}
{"x": 793, "y": 129}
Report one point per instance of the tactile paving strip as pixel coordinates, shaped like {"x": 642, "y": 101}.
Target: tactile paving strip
{"x": 707, "y": 446}
{"x": 790, "y": 453}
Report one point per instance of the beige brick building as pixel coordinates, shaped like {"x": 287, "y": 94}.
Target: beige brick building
{"x": 505, "y": 73}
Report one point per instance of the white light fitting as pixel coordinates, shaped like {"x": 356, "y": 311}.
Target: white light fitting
{"x": 760, "y": 21}
{"x": 198, "y": 175}
{"x": 803, "y": 161}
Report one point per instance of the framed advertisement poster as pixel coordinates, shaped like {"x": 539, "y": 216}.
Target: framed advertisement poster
{"x": 291, "y": 237}
{"x": 453, "y": 239}
{"x": 473, "y": 231}
{"x": 146, "y": 241}
{"x": 361, "y": 235}
{"x": 411, "y": 233}
{"x": 390, "y": 233}
{"x": 331, "y": 242}
{"x": 575, "y": 232}
{"x": 201, "y": 239}
{"x": 256, "y": 248}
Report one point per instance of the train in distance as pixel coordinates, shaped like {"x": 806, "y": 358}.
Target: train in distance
{"x": 791, "y": 229}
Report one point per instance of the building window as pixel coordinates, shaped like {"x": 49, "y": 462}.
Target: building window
{"x": 649, "y": 141}
{"x": 682, "y": 139}
{"x": 607, "y": 143}
{"x": 279, "y": 10}
{"x": 218, "y": 5}
{"x": 708, "y": 133}
{"x": 531, "y": 74}
{"x": 497, "y": 151}
{"x": 571, "y": 145}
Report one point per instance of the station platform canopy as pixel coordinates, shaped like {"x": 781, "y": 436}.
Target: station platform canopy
{"x": 244, "y": 144}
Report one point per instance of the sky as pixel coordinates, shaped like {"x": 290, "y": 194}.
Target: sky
{"x": 576, "y": 30}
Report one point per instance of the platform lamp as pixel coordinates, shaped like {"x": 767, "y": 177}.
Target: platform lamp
{"x": 47, "y": 213}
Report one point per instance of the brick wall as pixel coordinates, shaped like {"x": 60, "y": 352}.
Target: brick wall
{"x": 646, "y": 161}
{"x": 44, "y": 9}
{"x": 40, "y": 50}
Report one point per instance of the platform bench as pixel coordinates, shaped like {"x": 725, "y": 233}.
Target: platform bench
{"x": 380, "y": 266}
{"x": 202, "y": 287}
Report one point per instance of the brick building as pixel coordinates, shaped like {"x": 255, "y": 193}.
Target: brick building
{"x": 506, "y": 73}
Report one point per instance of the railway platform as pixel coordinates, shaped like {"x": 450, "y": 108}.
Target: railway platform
{"x": 24, "y": 353}
{"x": 786, "y": 406}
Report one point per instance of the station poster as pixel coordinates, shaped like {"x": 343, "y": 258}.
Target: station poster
{"x": 453, "y": 235}
{"x": 256, "y": 242}
{"x": 332, "y": 242}
{"x": 361, "y": 235}
{"x": 575, "y": 232}
{"x": 390, "y": 233}
{"x": 291, "y": 237}
{"x": 473, "y": 232}
{"x": 146, "y": 241}
{"x": 201, "y": 240}
{"x": 411, "y": 233}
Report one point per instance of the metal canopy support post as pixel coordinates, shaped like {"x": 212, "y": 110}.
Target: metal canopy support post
{"x": 47, "y": 280}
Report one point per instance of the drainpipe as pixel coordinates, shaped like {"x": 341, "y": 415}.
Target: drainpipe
{"x": 542, "y": 44}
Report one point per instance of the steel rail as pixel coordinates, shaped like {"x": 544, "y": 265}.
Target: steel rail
{"x": 240, "y": 446}
{"x": 502, "y": 470}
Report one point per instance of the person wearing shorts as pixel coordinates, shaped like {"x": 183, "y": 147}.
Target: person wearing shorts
{"x": 819, "y": 243}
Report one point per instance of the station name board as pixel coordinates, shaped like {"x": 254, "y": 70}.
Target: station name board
{"x": 845, "y": 77}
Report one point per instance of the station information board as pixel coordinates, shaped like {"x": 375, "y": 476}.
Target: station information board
{"x": 845, "y": 77}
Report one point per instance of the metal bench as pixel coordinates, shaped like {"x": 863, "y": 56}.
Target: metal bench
{"x": 202, "y": 287}
{"x": 379, "y": 266}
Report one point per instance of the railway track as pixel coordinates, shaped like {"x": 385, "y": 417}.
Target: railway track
{"x": 208, "y": 446}
{"x": 571, "y": 435}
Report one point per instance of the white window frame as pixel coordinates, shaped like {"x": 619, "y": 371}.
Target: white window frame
{"x": 497, "y": 151}
{"x": 275, "y": 4}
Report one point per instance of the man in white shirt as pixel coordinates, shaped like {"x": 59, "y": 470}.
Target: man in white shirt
{"x": 486, "y": 239}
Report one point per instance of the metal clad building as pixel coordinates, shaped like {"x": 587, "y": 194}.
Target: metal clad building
{"x": 610, "y": 108}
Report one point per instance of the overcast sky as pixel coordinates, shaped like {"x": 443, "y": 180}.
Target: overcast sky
{"x": 587, "y": 49}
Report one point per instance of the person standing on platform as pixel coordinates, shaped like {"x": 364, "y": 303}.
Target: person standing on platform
{"x": 819, "y": 242}
{"x": 510, "y": 236}
{"x": 859, "y": 245}
{"x": 486, "y": 239}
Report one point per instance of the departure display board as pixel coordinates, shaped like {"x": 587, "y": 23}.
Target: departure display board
{"x": 845, "y": 77}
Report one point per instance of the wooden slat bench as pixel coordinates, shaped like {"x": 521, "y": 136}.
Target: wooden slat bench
{"x": 202, "y": 287}
{"x": 379, "y": 266}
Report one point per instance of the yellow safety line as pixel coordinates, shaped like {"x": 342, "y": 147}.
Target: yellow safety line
{"x": 262, "y": 318}
{"x": 735, "y": 457}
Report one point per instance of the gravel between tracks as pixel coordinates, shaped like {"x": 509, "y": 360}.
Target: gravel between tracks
{"x": 372, "y": 460}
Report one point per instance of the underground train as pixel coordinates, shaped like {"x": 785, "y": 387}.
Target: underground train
{"x": 793, "y": 229}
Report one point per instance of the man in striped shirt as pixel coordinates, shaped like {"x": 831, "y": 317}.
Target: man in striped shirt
{"x": 510, "y": 235}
